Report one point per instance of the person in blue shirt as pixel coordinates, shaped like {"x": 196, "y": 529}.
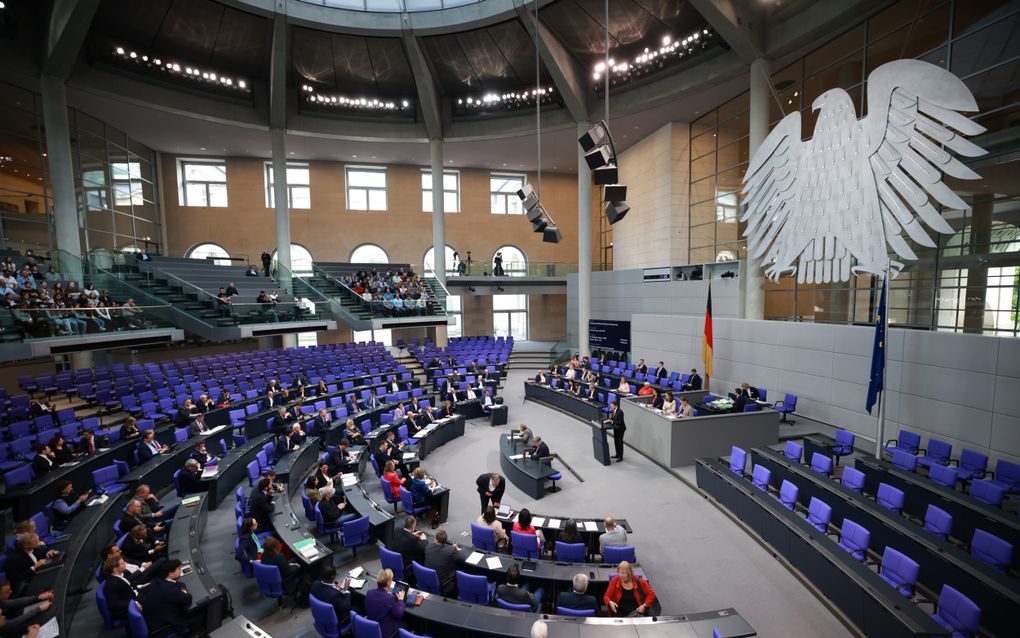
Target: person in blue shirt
{"x": 421, "y": 493}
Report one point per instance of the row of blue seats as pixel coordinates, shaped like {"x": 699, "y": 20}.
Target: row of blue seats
{"x": 971, "y": 464}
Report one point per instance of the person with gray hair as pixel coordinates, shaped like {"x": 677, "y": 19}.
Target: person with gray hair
{"x": 190, "y": 478}
{"x": 331, "y": 505}
{"x": 577, "y": 598}
{"x": 539, "y": 629}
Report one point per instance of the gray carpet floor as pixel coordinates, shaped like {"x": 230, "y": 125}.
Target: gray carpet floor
{"x": 695, "y": 557}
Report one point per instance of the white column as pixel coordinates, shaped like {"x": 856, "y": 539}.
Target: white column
{"x": 280, "y": 198}
{"x": 438, "y": 226}
{"x": 289, "y": 340}
{"x": 61, "y": 165}
{"x": 82, "y": 359}
{"x": 583, "y": 245}
{"x": 754, "y": 282}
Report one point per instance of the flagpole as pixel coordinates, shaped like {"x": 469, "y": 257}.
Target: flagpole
{"x": 880, "y": 439}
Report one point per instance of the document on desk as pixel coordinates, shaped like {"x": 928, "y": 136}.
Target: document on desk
{"x": 553, "y": 523}
{"x": 409, "y": 455}
{"x": 348, "y": 479}
{"x": 492, "y": 562}
{"x": 210, "y": 471}
{"x": 538, "y": 521}
{"x": 306, "y": 547}
{"x": 50, "y": 629}
{"x": 474, "y": 558}
{"x": 99, "y": 500}
{"x": 514, "y": 457}
{"x": 591, "y": 526}
{"x": 357, "y": 571}
{"x": 215, "y": 429}
{"x": 356, "y": 583}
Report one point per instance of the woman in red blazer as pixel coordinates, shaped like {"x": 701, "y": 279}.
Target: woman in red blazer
{"x": 628, "y": 593}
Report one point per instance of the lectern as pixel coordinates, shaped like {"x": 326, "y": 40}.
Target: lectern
{"x": 599, "y": 442}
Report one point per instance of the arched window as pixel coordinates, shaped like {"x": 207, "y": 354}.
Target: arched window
{"x": 451, "y": 262}
{"x": 204, "y": 251}
{"x": 369, "y": 254}
{"x": 300, "y": 259}
{"x": 512, "y": 262}
{"x": 726, "y": 255}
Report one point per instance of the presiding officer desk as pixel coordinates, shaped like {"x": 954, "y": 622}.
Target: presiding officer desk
{"x": 919, "y": 492}
{"x": 940, "y": 562}
{"x": 450, "y": 618}
{"x": 674, "y": 441}
{"x": 528, "y": 474}
{"x": 31, "y": 498}
{"x": 874, "y": 606}
{"x": 551, "y": 527}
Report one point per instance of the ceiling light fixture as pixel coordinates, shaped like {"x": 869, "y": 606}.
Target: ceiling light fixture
{"x": 314, "y": 98}
{"x": 494, "y": 102}
{"x": 652, "y": 60}
{"x": 135, "y": 59}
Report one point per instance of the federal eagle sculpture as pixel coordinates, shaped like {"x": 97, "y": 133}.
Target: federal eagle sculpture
{"x": 829, "y": 206}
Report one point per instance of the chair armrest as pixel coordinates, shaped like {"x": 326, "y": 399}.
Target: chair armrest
{"x": 778, "y": 403}
{"x": 988, "y": 473}
{"x": 890, "y": 441}
{"x": 922, "y": 451}
{"x": 953, "y": 461}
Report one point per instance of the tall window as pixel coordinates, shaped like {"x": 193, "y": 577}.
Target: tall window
{"x": 203, "y": 182}
{"x": 451, "y": 262}
{"x": 300, "y": 259}
{"x": 384, "y": 337}
{"x": 369, "y": 254}
{"x": 366, "y": 188}
{"x": 451, "y": 191}
{"x": 512, "y": 262}
{"x": 510, "y": 316}
{"x": 207, "y": 250}
{"x": 299, "y": 192}
{"x": 94, "y": 185}
{"x": 503, "y": 189}
{"x": 127, "y": 183}
{"x": 453, "y": 308}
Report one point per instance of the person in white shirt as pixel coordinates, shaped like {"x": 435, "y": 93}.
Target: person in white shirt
{"x": 624, "y": 387}
{"x": 570, "y": 372}
{"x": 668, "y": 404}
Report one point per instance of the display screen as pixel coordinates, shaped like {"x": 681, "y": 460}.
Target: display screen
{"x": 609, "y": 335}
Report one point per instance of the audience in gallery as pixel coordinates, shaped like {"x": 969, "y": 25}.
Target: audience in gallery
{"x": 394, "y": 294}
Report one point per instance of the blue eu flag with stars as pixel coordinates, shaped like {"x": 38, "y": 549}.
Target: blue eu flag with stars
{"x": 878, "y": 352}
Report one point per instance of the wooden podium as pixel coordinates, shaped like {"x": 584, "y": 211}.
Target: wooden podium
{"x": 599, "y": 442}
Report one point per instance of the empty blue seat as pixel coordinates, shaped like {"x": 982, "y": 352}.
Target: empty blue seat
{"x": 787, "y": 406}
{"x": 760, "y": 476}
{"x": 989, "y": 548}
{"x": 483, "y": 538}
{"x": 392, "y": 561}
{"x": 854, "y": 539}
{"x": 738, "y": 460}
{"x": 899, "y": 571}
{"x": 943, "y": 475}
{"x": 426, "y": 579}
{"x": 819, "y": 514}
{"x": 890, "y": 497}
{"x": 904, "y": 461}
{"x": 853, "y": 479}
{"x": 938, "y": 453}
{"x": 938, "y": 522}
{"x": 987, "y": 492}
{"x": 821, "y": 464}
{"x": 793, "y": 451}
{"x": 957, "y": 613}
{"x": 844, "y": 445}
{"x": 972, "y": 465}
{"x": 1007, "y": 475}
{"x": 570, "y": 552}
{"x": 617, "y": 554}
{"x": 788, "y": 494}
{"x": 907, "y": 441}
{"x": 474, "y": 589}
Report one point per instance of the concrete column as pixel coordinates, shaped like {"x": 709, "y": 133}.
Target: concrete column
{"x": 61, "y": 165}
{"x": 280, "y": 199}
{"x": 288, "y": 340}
{"x": 583, "y": 245}
{"x": 977, "y": 272}
{"x": 754, "y": 282}
{"x": 438, "y": 222}
{"x": 82, "y": 359}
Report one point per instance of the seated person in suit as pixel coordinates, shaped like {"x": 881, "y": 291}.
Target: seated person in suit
{"x": 409, "y": 542}
{"x": 282, "y": 420}
{"x": 16, "y": 614}
{"x": 67, "y": 505}
{"x": 694, "y": 382}
{"x": 614, "y": 535}
{"x": 541, "y": 450}
{"x": 443, "y": 557}
{"x": 322, "y": 421}
{"x": 339, "y": 458}
{"x": 513, "y": 592}
{"x": 137, "y": 573}
{"x": 628, "y": 594}
{"x": 205, "y": 403}
{"x": 201, "y": 454}
{"x": 198, "y": 425}
{"x": 44, "y": 460}
{"x": 133, "y": 516}
{"x": 293, "y": 439}
{"x": 26, "y": 558}
{"x": 249, "y": 545}
{"x": 272, "y": 554}
{"x": 577, "y": 598}
{"x": 119, "y": 589}
{"x": 447, "y": 410}
{"x": 165, "y": 602}
{"x": 260, "y": 503}
{"x": 328, "y": 591}
{"x": 191, "y": 477}
{"x": 332, "y": 504}
{"x": 184, "y": 414}
{"x": 487, "y": 401}
{"x": 686, "y": 409}
{"x": 384, "y": 607}
{"x": 130, "y": 429}
{"x": 62, "y": 453}
{"x": 421, "y": 494}
{"x": 87, "y": 446}
{"x": 141, "y": 546}
{"x": 570, "y": 533}
{"x": 152, "y": 509}
{"x": 391, "y": 476}
{"x": 668, "y": 404}
{"x": 526, "y": 436}
{"x": 149, "y": 447}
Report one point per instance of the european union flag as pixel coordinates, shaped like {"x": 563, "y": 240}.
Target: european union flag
{"x": 878, "y": 352}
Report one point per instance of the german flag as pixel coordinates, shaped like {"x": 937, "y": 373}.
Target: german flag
{"x": 706, "y": 340}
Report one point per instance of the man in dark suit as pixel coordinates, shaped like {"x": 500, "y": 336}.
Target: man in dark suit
{"x": 25, "y": 559}
{"x": 661, "y": 372}
{"x": 333, "y": 506}
{"x": 198, "y": 426}
{"x": 443, "y": 558}
{"x": 282, "y": 420}
{"x": 132, "y": 516}
{"x": 578, "y": 598}
{"x": 190, "y": 477}
{"x": 201, "y": 454}
{"x": 540, "y": 451}
{"x": 141, "y": 546}
{"x": 184, "y": 414}
{"x": 339, "y": 459}
{"x": 409, "y": 543}
{"x": 619, "y": 427}
{"x": 43, "y": 461}
{"x": 641, "y": 368}
{"x": 165, "y": 602}
{"x": 321, "y": 422}
{"x": 118, "y": 588}
{"x": 260, "y": 505}
{"x": 326, "y": 590}
{"x": 693, "y": 383}
{"x": 490, "y": 487}
{"x": 512, "y": 592}
{"x": 148, "y": 447}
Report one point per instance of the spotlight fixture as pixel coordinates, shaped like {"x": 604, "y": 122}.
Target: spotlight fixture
{"x": 135, "y": 60}
{"x": 504, "y": 102}
{"x": 673, "y": 50}
{"x": 328, "y": 101}
{"x": 600, "y": 155}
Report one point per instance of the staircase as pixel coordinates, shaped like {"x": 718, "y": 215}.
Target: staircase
{"x": 531, "y": 360}
{"x": 173, "y": 294}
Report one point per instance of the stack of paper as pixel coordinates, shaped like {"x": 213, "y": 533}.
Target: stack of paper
{"x": 99, "y": 500}
{"x": 356, "y": 583}
{"x": 591, "y": 526}
{"x": 492, "y": 562}
{"x": 553, "y": 523}
{"x": 408, "y": 455}
{"x": 515, "y": 457}
{"x": 474, "y": 558}
{"x": 538, "y": 521}
{"x": 306, "y": 547}
{"x": 310, "y": 552}
{"x": 50, "y": 629}
{"x": 191, "y": 500}
{"x": 357, "y": 571}
{"x": 210, "y": 471}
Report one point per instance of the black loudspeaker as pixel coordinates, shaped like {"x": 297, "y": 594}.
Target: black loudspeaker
{"x": 606, "y": 175}
{"x": 536, "y": 213}
{"x": 552, "y": 235}
{"x": 598, "y": 157}
{"x": 615, "y": 193}
{"x": 539, "y": 224}
{"x": 615, "y": 211}
{"x": 595, "y": 136}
